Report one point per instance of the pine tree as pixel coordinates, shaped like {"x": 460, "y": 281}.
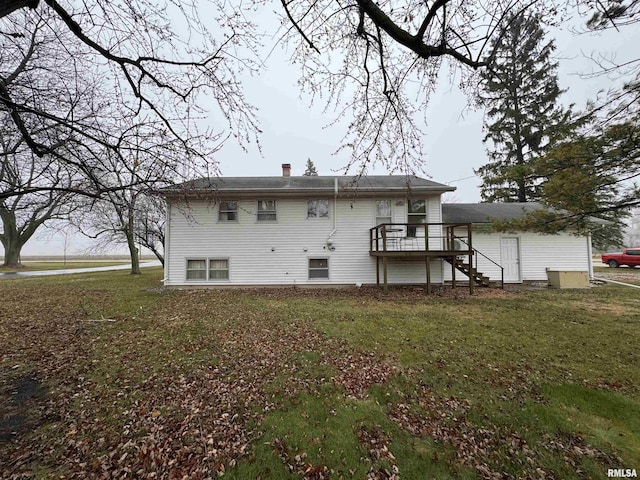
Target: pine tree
{"x": 310, "y": 171}
{"x": 520, "y": 92}
{"x": 589, "y": 175}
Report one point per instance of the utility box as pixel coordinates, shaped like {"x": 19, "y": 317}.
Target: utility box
{"x": 567, "y": 279}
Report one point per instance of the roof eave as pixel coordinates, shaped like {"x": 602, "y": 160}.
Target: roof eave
{"x": 303, "y": 192}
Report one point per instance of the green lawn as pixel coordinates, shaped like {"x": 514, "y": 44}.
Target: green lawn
{"x": 625, "y": 269}
{"x": 37, "y": 266}
{"x": 314, "y": 384}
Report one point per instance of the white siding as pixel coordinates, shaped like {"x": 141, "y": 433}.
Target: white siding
{"x": 538, "y": 252}
{"x": 278, "y": 253}
{"x": 555, "y": 252}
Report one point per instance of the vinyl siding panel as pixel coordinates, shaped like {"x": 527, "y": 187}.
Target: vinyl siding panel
{"x": 278, "y": 253}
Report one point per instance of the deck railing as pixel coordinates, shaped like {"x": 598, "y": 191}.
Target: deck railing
{"x": 415, "y": 241}
{"x": 478, "y": 253}
{"x": 421, "y": 237}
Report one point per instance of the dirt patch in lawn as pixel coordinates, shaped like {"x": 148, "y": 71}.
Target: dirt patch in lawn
{"x": 17, "y": 413}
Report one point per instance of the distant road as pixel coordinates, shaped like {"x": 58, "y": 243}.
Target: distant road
{"x": 68, "y": 271}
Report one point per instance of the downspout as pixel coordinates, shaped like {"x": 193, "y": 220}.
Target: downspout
{"x": 590, "y": 255}
{"x": 167, "y": 236}
{"x": 335, "y": 210}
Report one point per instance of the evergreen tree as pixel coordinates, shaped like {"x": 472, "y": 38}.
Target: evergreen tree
{"x": 588, "y": 175}
{"x": 592, "y": 174}
{"x": 520, "y": 91}
{"x": 310, "y": 171}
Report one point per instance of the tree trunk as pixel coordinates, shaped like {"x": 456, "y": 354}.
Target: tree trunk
{"x": 131, "y": 243}
{"x": 10, "y": 239}
{"x": 12, "y": 254}
{"x": 133, "y": 253}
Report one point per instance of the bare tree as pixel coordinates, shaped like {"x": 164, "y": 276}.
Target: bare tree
{"x": 37, "y": 189}
{"x": 22, "y": 215}
{"x": 374, "y": 62}
{"x": 152, "y": 74}
{"x": 618, "y": 103}
{"x": 122, "y": 214}
{"x": 150, "y": 224}
{"x": 377, "y": 63}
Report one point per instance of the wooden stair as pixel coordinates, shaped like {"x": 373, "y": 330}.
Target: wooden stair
{"x": 463, "y": 267}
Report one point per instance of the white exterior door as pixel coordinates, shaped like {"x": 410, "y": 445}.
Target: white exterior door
{"x": 510, "y": 259}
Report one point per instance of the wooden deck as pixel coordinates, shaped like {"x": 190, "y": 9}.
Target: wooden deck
{"x": 421, "y": 242}
{"x": 420, "y": 254}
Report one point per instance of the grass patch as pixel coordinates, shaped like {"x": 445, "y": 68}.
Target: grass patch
{"x": 622, "y": 268}
{"x": 41, "y": 266}
{"x": 608, "y": 418}
{"x": 289, "y": 383}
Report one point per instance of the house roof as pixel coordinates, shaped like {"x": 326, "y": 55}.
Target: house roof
{"x": 489, "y": 212}
{"x": 486, "y": 212}
{"x": 305, "y": 185}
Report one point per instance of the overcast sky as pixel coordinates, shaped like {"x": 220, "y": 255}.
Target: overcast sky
{"x": 294, "y": 131}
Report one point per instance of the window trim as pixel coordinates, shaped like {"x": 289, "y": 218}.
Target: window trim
{"x": 207, "y": 278}
{"x": 318, "y": 269}
{"x": 375, "y": 211}
{"x": 316, "y": 217}
{"x": 218, "y": 259}
{"x": 236, "y": 211}
{"x": 186, "y": 269}
{"x": 269, "y": 212}
{"x": 412, "y": 231}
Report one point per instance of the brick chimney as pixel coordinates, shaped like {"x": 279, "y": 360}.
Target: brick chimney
{"x": 286, "y": 169}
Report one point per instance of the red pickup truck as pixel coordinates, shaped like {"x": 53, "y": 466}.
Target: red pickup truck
{"x": 629, "y": 257}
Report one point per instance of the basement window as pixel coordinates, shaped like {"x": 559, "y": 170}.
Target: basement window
{"x": 197, "y": 269}
{"x": 318, "y": 268}
{"x": 218, "y": 269}
{"x": 203, "y": 269}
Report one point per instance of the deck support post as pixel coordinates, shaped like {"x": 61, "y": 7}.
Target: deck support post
{"x": 471, "y": 269}
{"x": 453, "y": 272}
{"x": 377, "y": 270}
{"x": 471, "y": 275}
{"x": 384, "y": 268}
{"x": 428, "y": 268}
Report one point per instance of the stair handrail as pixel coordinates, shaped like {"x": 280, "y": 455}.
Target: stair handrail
{"x": 476, "y": 251}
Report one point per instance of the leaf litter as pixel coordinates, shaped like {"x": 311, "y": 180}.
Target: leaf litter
{"x": 113, "y": 410}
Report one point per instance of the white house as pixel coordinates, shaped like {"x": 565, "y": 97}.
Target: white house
{"x": 337, "y": 230}
{"x": 290, "y": 230}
